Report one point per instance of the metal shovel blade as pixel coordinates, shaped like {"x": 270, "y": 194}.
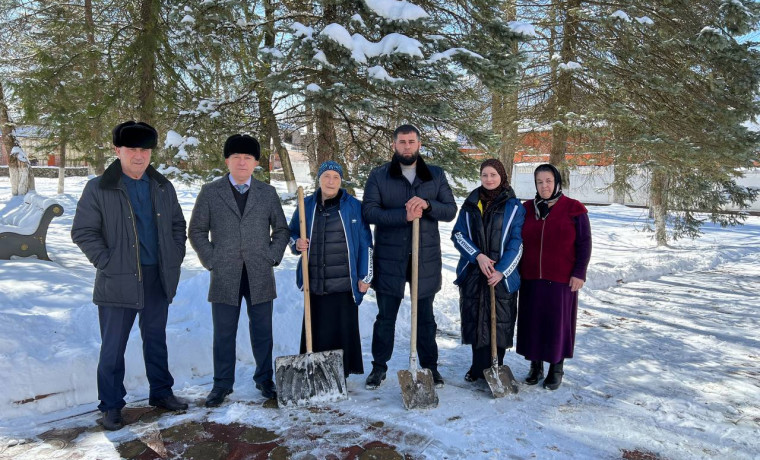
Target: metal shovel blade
{"x": 310, "y": 378}
{"x": 418, "y": 389}
{"x": 501, "y": 381}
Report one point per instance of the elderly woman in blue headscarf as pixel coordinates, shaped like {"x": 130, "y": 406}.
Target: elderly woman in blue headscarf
{"x": 339, "y": 246}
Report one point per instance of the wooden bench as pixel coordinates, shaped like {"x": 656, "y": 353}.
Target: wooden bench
{"x": 23, "y": 229}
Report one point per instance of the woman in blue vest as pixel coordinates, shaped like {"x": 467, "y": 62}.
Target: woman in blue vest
{"x": 488, "y": 236}
{"x": 340, "y": 265}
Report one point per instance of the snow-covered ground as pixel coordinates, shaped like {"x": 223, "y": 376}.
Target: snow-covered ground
{"x": 666, "y": 355}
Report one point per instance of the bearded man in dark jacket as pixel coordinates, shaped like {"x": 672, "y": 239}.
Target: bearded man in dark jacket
{"x": 130, "y": 226}
{"x": 396, "y": 193}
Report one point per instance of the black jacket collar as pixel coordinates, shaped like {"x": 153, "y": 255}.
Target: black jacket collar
{"x": 422, "y": 170}
{"x": 330, "y": 202}
{"x": 112, "y": 176}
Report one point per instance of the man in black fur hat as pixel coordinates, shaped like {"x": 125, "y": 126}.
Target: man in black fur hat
{"x": 130, "y": 226}
{"x": 239, "y": 231}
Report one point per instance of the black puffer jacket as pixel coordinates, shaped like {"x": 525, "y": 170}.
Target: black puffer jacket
{"x": 104, "y": 229}
{"x": 329, "y": 272}
{"x": 474, "y": 293}
{"x": 385, "y": 197}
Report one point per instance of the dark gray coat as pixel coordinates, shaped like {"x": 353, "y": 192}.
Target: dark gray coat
{"x": 104, "y": 229}
{"x": 224, "y": 239}
{"x": 385, "y": 197}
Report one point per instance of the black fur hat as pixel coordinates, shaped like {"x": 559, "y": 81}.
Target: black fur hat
{"x": 135, "y": 135}
{"x": 242, "y": 143}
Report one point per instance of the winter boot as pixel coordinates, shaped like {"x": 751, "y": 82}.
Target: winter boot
{"x": 536, "y": 372}
{"x": 437, "y": 378}
{"x": 554, "y": 376}
{"x": 375, "y": 378}
{"x": 112, "y": 420}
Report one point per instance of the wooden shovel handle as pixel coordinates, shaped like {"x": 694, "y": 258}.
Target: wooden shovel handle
{"x": 494, "y": 356}
{"x": 414, "y": 283}
{"x": 305, "y": 272}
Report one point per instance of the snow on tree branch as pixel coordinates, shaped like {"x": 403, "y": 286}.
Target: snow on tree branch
{"x": 361, "y": 48}
{"x": 523, "y": 28}
{"x": 396, "y": 10}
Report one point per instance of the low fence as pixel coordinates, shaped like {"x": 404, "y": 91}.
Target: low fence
{"x": 591, "y": 184}
{"x": 52, "y": 171}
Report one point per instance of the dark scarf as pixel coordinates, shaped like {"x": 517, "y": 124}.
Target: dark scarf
{"x": 487, "y": 196}
{"x": 541, "y": 205}
{"x": 330, "y": 202}
{"x": 544, "y": 206}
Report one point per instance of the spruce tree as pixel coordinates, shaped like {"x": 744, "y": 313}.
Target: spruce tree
{"x": 365, "y": 69}
{"x": 678, "y": 88}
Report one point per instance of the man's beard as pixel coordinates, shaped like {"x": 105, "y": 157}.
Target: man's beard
{"x": 407, "y": 161}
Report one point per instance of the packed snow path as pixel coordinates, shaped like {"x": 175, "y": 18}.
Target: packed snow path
{"x": 666, "y": 366}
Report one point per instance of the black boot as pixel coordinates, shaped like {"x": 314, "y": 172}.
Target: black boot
{"x": 216, "y": 397}
{"x": 375, "y": 378}
{"x": 536, "y": 372}
{"x": 112, "y": 420}
{"x": 170, "y": 402}
{"x": 554, "y": 376}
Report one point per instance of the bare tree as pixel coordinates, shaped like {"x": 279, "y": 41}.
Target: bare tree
{"x": 62, "y": 166}
{"x": 19, "y": 168}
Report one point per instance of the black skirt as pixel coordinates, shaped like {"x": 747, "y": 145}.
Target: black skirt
{"x": 335, "y": 326}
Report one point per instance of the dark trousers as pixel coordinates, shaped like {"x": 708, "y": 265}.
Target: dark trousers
{"x": 115, "y": 325}
{"x": 384, "y": 332}
{"x": 225, "y": 319}
{"x": 481, "y": 359}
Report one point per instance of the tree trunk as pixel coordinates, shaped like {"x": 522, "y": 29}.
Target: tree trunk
{"x": 62, "y": 166}
{"x": 271, "y": 131}
{"x": 327, "y": 142}
{"x": 311, "y": 143}
{"x": 505, "y": 111}
{"x": 618, "y": 184}
{"x": 507, "y": 129}
{"x": 96, "y": 130}
{"x": 148, "y": 44}
{"x": 658, "y": 202}
{"x": 19, "y": 169}
{"x": 564, "y": 92}
{"x": 347, "y": 184}
{"x": 265, "y": 138}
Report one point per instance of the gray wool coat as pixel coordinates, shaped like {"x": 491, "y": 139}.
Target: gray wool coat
{"x": 224, "y": 239}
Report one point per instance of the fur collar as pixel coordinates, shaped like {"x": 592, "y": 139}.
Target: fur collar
{"x": 111, "y": 178}
{"x": 421, "y": 168}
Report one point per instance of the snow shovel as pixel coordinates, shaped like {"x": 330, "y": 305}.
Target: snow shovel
{"x": 500, "y": 378}
{"x": 311, "y": 377}
{"x": 417, "y": 386}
